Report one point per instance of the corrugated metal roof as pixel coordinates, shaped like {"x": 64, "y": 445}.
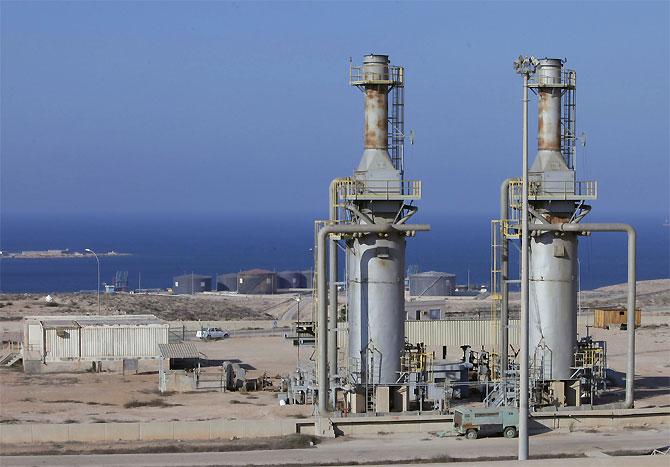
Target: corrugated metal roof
{"x": 183, "y": 350}
{"x": 59, "y": 323}
{"x": 120, "y": 320}
{"x": 256, "y": 271}
{"x": 75, "y": 321}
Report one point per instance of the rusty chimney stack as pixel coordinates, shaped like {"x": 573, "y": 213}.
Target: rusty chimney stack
{"x": 376, "y": 73}
{"x": 548, "y": 74}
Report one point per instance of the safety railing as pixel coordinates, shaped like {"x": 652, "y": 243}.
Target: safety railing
{"x": 353, "y": 189}
{"x": 568, "y": 79}
{"x": 539, "y": 190}
{"x": 393, "y": 75}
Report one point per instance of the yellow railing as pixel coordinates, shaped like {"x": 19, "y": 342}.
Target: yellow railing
{"x": 588, "y": 358}
{"x": 416, "y": 362}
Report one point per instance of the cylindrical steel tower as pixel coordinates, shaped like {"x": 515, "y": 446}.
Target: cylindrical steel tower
{"x": 549, "y": 105}
{"x": 376, "y": 306}
{"x": 376, "y": 264}
{"x": 553, "y": 255}
{"x": 376, "y": 68}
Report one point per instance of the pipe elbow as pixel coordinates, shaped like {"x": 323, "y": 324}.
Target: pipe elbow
{"x": 504, "y": 186}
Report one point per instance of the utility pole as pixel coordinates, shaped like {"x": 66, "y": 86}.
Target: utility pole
{"x": 297, "y": 299}
{"x": 524, "y": 66}
{"x": 98, "y": 261}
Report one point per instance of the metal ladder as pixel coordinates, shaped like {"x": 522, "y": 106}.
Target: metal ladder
{"x": 396, "y": 127}
{"x": 370, "y": 403}
{"x": 568, "y": 119}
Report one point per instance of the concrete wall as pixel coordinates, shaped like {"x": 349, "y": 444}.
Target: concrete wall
{"x": 226, "y": 429}
{"x": 149, "y": 431}
{"x": 113, "y": 366}
{"x": 178, "y": 381}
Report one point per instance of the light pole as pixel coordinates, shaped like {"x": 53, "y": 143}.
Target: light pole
{"x": 297, "y": 320}
{"x": 98, "y": 261}
{"x": 524, "y": 66}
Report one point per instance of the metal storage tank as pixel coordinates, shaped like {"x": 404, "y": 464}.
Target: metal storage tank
{"x": 226, "y": 282}
{"x": 432, "y": 284}
{"x": 291, "y": 280}
{"x": 309, "y": 278}
{"x": 191, "y": 283}
{"x": 257, "y": 281}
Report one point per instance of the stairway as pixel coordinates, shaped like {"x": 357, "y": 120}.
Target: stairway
{"x": 504, "y": 393}
{"x": 10, "y": 358}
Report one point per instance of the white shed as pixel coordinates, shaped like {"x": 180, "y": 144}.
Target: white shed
{"x": 93, "y": 338}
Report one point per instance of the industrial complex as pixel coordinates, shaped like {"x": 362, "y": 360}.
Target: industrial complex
{"x": 355, "y": 346}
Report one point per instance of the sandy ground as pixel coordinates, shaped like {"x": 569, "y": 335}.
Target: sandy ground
{"x": 205, "y": 307}
{"x": 100, "y": 397}
{"x": 89, "y": 397}
{"x": 652, "y": 363}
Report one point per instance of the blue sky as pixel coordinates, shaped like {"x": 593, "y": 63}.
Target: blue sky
{"x": 218, "y": 107}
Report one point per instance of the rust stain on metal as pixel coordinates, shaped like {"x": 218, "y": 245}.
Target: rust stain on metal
{"x": 375, "y": 134}
{"x": 548, "y": 129}
{"x": 557, "y": 219}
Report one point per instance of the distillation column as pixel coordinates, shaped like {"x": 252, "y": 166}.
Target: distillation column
{"x": 376, "y": 262}
{"x": 553, "y": 268}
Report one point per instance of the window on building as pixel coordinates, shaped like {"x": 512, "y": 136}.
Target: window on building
{"x": 434, "y": 313}
{"x": 418, "y": 315}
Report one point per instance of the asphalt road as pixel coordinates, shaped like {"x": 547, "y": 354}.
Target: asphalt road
{"x": 398, "y": 449}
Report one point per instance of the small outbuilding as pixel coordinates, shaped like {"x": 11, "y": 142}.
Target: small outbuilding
{"x": 191, "y": 283}
{"x": 52, "y": 340}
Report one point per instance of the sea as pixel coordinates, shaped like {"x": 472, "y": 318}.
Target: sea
{"x": 166, "y": 245}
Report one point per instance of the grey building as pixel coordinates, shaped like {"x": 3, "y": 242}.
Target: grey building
{"x": 291, "y": 280}
{"x": 191, "y": 283}
{"x": 432, "y": 284}
{"x": 257, "y": 281}
{"x": 226, "y": 282}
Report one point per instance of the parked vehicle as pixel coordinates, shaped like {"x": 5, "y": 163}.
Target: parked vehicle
{"x": 212, "y": 334}
{"x": 472, "y": 422}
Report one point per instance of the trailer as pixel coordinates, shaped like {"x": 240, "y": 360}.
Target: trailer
{"x": 614, "y": 316}
{"x": 472, "y": 422}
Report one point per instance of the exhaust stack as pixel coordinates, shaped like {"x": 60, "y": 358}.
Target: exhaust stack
{"x": 555, "y": 198}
